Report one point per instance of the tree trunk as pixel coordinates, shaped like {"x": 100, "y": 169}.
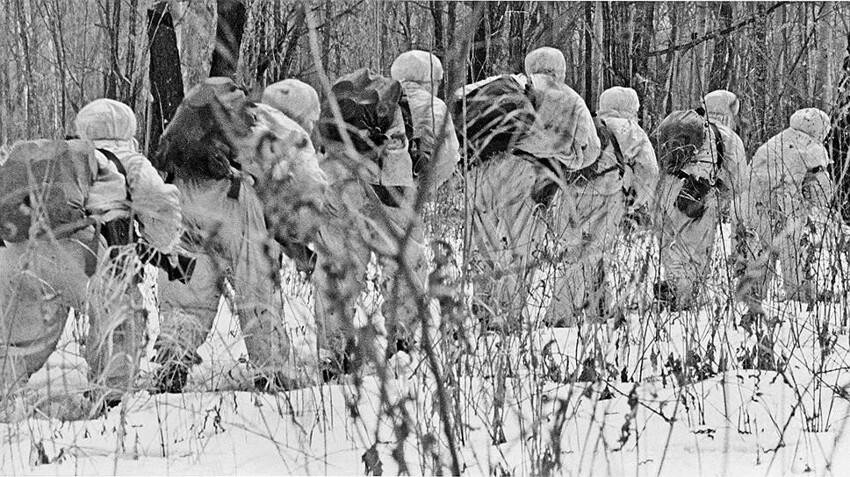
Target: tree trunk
{"x": 165, "y": 76}
{"x": 599, "y": 58}
{"x": 437, "y": 16}
{"x": 839, "y": 138}
{"x": 759, "y": 80}
{"x": 588, "y": 52}
{"x": 617, "y": 44}
{"x": 451, "y": 22}
{"x": 641, "y": 45}
{"x": 824, "y": 94}
{"x": 132, "y": 88}
{"x": 230, "y": 26}
{"x": 478, "y": 62}
{"x": 297, "y": 31}
{"x": 723, "y": 55}
{"x": 32, "y": 122}
{"x": 439, "y": 43}
{"x": 516, "y": 39}
{"x": 112, "y": 17}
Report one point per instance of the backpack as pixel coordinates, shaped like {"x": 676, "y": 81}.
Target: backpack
{"x": 545, "y": 189}
{"x": 40, "y": 183}
{"x": 201, "y": 140}
{"x": 118, "y": 231}
{"x": 122, "y": 231}
{"x": 681, "y": 135}
{"x": 493, "y": 116}
{"x": 368, "y": 103}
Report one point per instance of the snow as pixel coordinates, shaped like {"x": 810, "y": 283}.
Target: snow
{"x": 730, "y": 422}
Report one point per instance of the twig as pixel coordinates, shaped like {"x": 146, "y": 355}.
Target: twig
{"x": 715, "y": 33}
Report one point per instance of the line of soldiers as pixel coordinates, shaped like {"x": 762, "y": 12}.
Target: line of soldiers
{"x": 335, "y": 182}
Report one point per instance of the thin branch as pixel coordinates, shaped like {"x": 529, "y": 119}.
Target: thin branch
{"x": 715, "y": 33}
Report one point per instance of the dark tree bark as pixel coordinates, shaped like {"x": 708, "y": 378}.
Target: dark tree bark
{"x": 451, "y": 22}
{"x": 617, "y": 44}
{"x": 165, "y": 75}
{"x": 839, "y": 138}
{"x": 265, "y": 53}
{"x": 517, "y": 41}
{"x": 437, "y": 15}
{"x": 723, "y": 57}
{"x": 641, "y": 45}
{"x": 229, "y": 28}
{"x": 276, "y": 63}
{"x": 437, "y": 8}
{"x": 113, "y": 76}
{"x": 132, "y": 87}
{"x": 478, "y": 63}
{"x": 759, "y": 81}
{"x": 588, "y": 53}
{"x": 326, "y": 37}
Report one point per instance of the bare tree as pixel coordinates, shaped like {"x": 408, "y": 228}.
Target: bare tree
{"x": 165, "y": 76}
{"x": 232, "y": 15}
{"x": 724, "y": 54}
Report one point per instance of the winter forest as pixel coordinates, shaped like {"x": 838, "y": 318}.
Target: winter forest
{"x": 371, "y": 237}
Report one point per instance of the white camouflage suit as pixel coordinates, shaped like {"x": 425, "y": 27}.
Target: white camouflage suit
{"x": 226, "y": 232}
{"x": 506, "y": 218}
{"x": 597, "y": 207}
{"x": 42, "y": 278}
{"x": 790, "y": 185}
{"x": 586, "y": 212}
{"x": 359, "y": 223}
{"x": 420, "y": 73}
{"x": 686, "y": 243}
{"x": 116, "y": 339}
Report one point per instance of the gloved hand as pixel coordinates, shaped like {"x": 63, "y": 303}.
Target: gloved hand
{"x": 418, "y": 156}
{"x": 636, "y": 219}
{"x": 691, "y": 199}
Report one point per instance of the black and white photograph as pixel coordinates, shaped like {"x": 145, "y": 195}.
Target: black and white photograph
{"x": 472, "y": 238}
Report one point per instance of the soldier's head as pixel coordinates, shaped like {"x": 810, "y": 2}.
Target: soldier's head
{"x": 419, "y": 67}
{"x": 619, "y": 102}
{"x": 811, "y": 121}
{"x": 548, "y": 61}
{"x": 105, "y": 119}
{"x": 296, "y": 99}
{"x": 722, "y": 107}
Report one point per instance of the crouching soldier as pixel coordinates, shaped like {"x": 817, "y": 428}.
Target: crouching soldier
{"x": 507, "y": 208}
{"x": 435, "y": 145}
{"x": 595, "y": 201}
{"x": 703, "y": 167}
{"x": 370, "y": 211}
{"x": 55, "y": 196}
{"x": 789, "y": 194}
{"x": 116, "y": 337}
{"x": 588, "y": 206}
{"x": 299, "y": 102}
{"x": 206, "y": 151}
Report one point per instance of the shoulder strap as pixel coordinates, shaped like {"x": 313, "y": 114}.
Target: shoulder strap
{"x": 718, "y": 142}
{"x": 618, "y": 152}
{"x": 114, "y": 159}
{"x": 119, "y": 231}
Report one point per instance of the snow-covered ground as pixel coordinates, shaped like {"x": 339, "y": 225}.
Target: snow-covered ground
{"x": 676, "y": 413}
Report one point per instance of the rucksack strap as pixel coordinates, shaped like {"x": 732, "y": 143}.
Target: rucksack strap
{"x": 618, "y": 152}
{"x": 118, "y": 231}
{"x": 718, "y": 143}
{"x": 121, "y": 170}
